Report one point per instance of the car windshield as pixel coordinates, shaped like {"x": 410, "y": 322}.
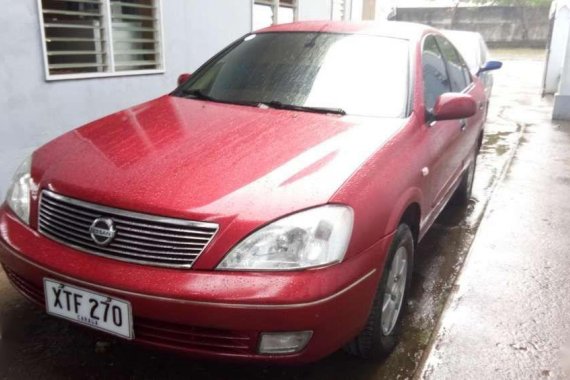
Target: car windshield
{"x": 469, "y": 47}
{"x": 353, "y": 74}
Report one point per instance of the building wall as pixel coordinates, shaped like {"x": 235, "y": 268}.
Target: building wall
{"x": 33, "y": 111}
{"x": 500, "y": 26}
{"x": 557, "y": 49}
{"x": 315, "y": 9}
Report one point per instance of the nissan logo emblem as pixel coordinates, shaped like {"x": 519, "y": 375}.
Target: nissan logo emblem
{"x": 102, "y": 231}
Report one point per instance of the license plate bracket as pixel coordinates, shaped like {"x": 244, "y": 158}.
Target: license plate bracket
{"x": 89, "y": 308}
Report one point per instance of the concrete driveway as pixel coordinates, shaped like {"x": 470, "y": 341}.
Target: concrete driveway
{"x": 510, "y": 315}
{"x": 33, "y": 345}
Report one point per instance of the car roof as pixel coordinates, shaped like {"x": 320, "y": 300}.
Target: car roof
{"x": 461, "y": 35}
{"x": 395, "y": 29}
{"x": 470, "y": 45}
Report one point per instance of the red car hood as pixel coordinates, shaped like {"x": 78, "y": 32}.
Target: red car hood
{"x": 210, "y": 161}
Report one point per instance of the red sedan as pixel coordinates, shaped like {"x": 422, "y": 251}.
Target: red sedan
{"x": 267, "y": 209}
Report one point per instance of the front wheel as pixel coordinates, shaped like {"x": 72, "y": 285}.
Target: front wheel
{"x": 465, "y": 189}
{"x": 379, "y": 336}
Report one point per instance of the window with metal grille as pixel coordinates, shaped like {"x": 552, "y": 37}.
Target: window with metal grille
{"x": 93, "y": 38}
{"x": 269, "y": 12}
{"x": 340, "y": 10}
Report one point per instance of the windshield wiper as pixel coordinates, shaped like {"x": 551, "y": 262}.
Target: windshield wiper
{"x": 282, "y": 106}
{"x": 198, "y": 94}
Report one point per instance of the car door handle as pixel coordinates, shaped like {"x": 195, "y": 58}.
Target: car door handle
{"x": 463, "y": 124}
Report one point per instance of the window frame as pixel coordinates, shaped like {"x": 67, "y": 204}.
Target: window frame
{"x": 106, "y": 5}
{"x": 346, "y": 10}
{"x": 444, "y": 61}
{"x": 275, "y": 5}
{"x": 464, "y": 67}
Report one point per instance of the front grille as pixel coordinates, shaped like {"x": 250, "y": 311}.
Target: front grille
{"x": 174, "y": 336}
{"x": 29, "y": 290}
{"x": 139, "y": 238}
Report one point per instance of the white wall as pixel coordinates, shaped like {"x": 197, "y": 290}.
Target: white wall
{"x": 315, "y": 10}
{"x": 33, "y": 111}
{"x": 560, "y": 34}
{"x": 561, "y": 109}
{"x": 356, "y": 10}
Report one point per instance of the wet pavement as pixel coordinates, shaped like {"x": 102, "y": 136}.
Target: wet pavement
{"x": 34, "y": 345}
{"x": 509, "y": 317}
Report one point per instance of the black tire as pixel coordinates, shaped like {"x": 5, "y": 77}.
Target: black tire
{"x": 372, "y": 342}
{"x": 464, "y": 191}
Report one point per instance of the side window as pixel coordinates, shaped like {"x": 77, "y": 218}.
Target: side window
{"x": 458, "y": 73}
{"x": 467, "y": 74}
{"x": 436, "y": 81}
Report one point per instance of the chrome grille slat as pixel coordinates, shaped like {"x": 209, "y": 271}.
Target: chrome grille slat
{"x": 61, "y": 224}
{"x": 72, "y": 210}
{"x": 57, "y": 215}
{"x": 120, "y": 220}
{"x": 83, "y": 242}
{"x": 153, "y": 233}
{"x": 140, "y": 238}
{"x": 89, "y": 242}
{"x": 144, "y": 225}
{"x": 50, "y": 211}
{"x": 142, "y": 250}
{"x": 98, "y": 210}
{"x": 51, "y": 221}
{"x": 167, "y": 246}
{"x": 61, "y": 230}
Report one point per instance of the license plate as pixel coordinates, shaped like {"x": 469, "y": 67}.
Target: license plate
{"x": 89, "y": 308}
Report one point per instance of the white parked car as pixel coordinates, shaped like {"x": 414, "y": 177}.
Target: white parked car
{"x": 475, "y": 52}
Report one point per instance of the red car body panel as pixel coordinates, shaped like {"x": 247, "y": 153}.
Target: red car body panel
{"x": 230, "y": 152}
{"x": 243, "y": 167}
{"x": 238, "y": 303}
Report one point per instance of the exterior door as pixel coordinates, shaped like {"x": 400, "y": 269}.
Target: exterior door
{"x": 462, "y": 82}
{"x": 443, "y": 137}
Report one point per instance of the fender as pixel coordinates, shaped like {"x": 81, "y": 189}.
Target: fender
{"x": 410, "y": 196}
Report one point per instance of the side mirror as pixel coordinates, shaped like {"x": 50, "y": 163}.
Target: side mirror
{"x": 183, "y": 78}
{"x": 452, "y": 106}
{"x": 489, "y": 66}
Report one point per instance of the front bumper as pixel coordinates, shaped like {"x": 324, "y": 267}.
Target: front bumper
{"x": 207, "y": 313}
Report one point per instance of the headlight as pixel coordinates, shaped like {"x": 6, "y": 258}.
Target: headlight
{"x": 18, "y": 197}
{"x": 311, "y": 238}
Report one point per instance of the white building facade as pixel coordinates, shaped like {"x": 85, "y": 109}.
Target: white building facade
{"x": 557, "y": 68}
{"x": 67, "y": 62}
{"x": 560, "y": 19}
